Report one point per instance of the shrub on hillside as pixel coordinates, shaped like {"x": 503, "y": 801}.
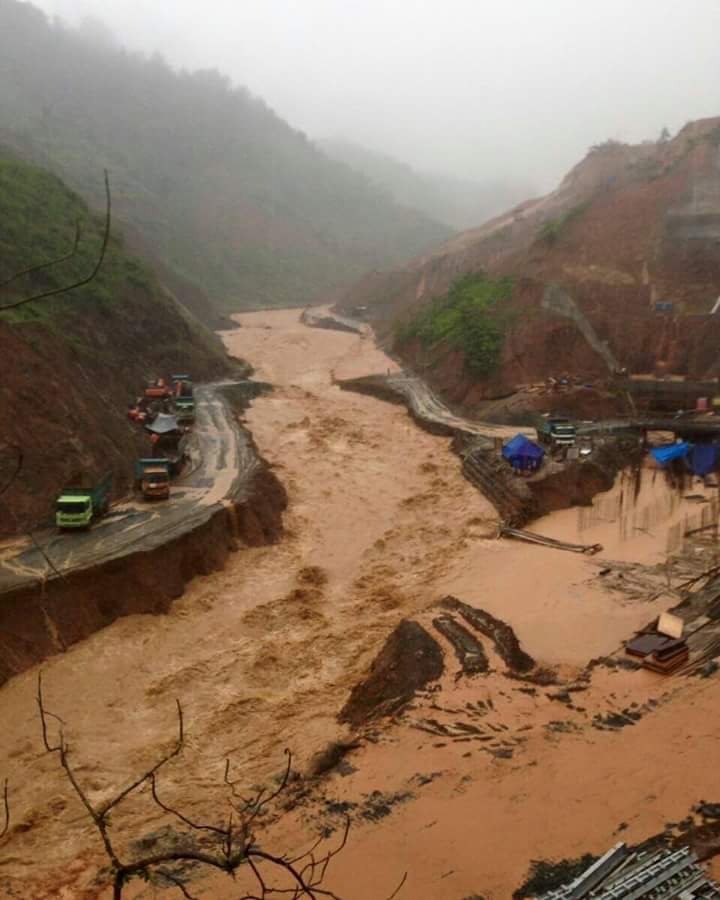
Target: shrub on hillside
{"x": 470, "y": 317}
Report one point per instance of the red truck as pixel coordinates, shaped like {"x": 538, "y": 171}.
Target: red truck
{"x": 159, "y": 391}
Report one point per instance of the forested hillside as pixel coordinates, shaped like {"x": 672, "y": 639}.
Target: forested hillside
{"x": 459, "y": 203}
{"x": 219, "y": 187}
{"x": 72, "y": 362}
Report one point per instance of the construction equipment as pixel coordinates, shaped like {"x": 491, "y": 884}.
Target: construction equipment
{"x": 169, "y": 440}
{"x": 182, "y": 385}
{"x": 557, "y": 431}
{"x": 152, "y": 478}
{"x": 77, "y": 507}
{"x": 137, "y": 414}
{"x": 160, "y": 390}
{"x": 185, "y": 410}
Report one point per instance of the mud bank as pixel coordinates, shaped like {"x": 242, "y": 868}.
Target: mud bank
{"x": 46, "y": 619}
{"x": 331, "y": 322}
{"x": 379, "y": 387}
{"x": 518, "y": 501}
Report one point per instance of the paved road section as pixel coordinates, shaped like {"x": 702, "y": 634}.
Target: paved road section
{"x": 426, "y": 405}
{"x": 222, "y": 464}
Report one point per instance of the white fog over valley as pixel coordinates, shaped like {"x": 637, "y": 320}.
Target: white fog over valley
{"x": 478, "y": 89}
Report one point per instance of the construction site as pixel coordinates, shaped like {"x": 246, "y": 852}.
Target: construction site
{"x": 359, "y": 524}
{"x": 521, "y": 611}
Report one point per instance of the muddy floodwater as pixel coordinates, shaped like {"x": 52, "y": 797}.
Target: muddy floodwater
{"x": 263, "y": 655}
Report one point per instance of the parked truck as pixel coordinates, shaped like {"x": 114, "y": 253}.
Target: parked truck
{"x": 185, "y": 410}
{"x": 160, "y": 390}
{"x": 152, "y": 478}
{"x": 183, "y": 386}
{"x": 77, "y": 507}
{"x": 557, "y": 431}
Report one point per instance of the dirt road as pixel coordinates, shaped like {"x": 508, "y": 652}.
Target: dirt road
{"x": 222, "y": 461}
{"x": 263, "y": 655}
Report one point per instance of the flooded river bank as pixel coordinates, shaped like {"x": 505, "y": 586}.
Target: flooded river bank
{"x": 380, "y": 525}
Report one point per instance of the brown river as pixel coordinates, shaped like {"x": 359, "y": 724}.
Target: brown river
{"x": 263, "y": 655}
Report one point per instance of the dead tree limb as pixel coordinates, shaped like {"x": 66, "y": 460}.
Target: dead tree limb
{"x": 6, "y": 811}
{"x": 46, "y": 265}
{"x": 225, "y": 847}
{"x": 43, "y": 295}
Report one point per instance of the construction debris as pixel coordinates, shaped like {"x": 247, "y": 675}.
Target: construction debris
{"x": 640, "y": 875}
{"x": 670, "y": 625}
{"x": 668, "y": 659}
{"x": 532, "y": 538}
{"x": 647, "y": 644}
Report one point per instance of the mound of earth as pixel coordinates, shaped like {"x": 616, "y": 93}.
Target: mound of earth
{"x": 499, "y": 632}
{"x": 408, "y": 661}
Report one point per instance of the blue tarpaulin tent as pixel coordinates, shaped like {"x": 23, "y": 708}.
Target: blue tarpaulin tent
{"x": 703, "y": 458}
{"x": 665, "y": 454}
{"x": 523, "y": 453}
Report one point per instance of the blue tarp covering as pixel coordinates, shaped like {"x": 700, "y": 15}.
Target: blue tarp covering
{"x": 665, "y": 454}
{"x": 703, "y": 458}
{"x": 523, "y": 453}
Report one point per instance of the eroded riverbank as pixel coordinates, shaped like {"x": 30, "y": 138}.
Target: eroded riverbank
{"x": 380, "y": 525}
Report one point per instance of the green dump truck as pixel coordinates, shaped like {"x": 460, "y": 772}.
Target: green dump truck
{"x": 557, "y": 431}
{"x": 152, "y": 478}
{"x": 77, "y": 507}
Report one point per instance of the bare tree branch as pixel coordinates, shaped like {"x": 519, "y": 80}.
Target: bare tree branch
{"x": 173, "y": 812}
{"x": 43, "y": 295}
{"x": 259, "y": 801}
{"x": 46, "y": 265}
{"x": 60, "y": 747}
{"x": 6, "y": 805}
{"x": 226, "y": 847}
{"x": 104, "y": 810}
{"x": 176, "y": 881}
{"x": 398, "y": 888}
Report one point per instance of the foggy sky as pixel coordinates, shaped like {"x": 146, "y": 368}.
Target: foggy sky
{"x": 475, "y": 88}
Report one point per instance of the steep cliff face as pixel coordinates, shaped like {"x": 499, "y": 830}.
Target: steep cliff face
{"x": 72, "y": 363}
{"x": 628, "y": 228}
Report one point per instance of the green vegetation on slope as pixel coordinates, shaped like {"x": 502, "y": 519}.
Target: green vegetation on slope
{"x": 217, "y": 185}
{"x": 39, "y": 214}
{"x": 551, "y": 231}
{"x": 471, "y": 318}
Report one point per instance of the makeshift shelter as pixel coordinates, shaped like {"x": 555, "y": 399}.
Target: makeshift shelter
{"x": 163, "y": 423}
{"x": 669, "y": 452}
{"x": 703, "y": 458}
{"x": 523, "y": 454}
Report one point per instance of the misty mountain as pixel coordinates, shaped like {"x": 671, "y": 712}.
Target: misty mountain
{"x": 217, "y": 185}
{"x": 457, "y": 202}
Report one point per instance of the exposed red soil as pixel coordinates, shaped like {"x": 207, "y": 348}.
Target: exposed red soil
{"x": 43, "y": 620}
{"x": 642, "y": 227}
{"x": 507, "y": 772}
{"x": 66, "y": 405}
{"x": 409, "y": 660}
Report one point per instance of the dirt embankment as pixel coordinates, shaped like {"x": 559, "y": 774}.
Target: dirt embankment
{"x": 264, "y": 654}
{"x": 47, "y": 618}
{"x": 518, "y": 501}
{"x": 65, "y": 405}
{"x": 628, "y": 227}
